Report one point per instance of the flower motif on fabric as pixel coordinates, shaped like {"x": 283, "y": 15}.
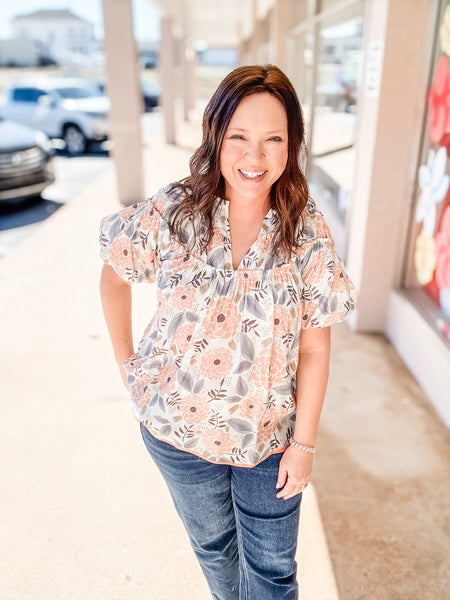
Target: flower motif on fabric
{"x": 269, "y": 367}
{"x": 195, "y": 409}
{"x": 443, "y": 252}
{"x": 251, "y": 407}
{"x": 281, "y": 321}
{"x": 183, "y": 297}
{"x": 216, "y": 363}
{"x": 439, "y": 102}
{"x": 268, "y": 424}
{"x": 444, "y": 32}
{"x": 222, "y": 319}
{"x": 217, "y": 441}
{"x": 183, "y": 337}
{"x": 246, "y": 280}
{"x": 166, "y": 378}
{"x": 121, "y": 253}
{"x": 316, "y": 268}
{"x": 424, "y": 257}
{"x": 434, "y": 184}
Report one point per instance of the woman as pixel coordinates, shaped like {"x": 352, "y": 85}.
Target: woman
{"x": 230, "y": 376}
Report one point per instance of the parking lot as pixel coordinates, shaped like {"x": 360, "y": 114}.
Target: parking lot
{"x": 72, "y": 173}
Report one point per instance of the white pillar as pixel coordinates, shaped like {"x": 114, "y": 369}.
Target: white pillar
{"x": 126, "y": 99}
{"x": 391, "y": 104}
{"x": 188, "y": 78}
{"x": 279, "y": 33}
{"x": 168, "y": 78}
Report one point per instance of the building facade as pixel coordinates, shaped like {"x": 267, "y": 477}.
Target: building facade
{"x": 60, "y": 33}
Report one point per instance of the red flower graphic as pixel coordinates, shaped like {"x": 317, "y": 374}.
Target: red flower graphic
{"x": 439, "y": 102}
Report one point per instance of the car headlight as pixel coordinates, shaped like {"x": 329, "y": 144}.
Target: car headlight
{"x": 43, "y": 142}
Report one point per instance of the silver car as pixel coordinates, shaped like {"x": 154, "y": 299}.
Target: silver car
{"x": 26, "y": 166}
{"x": 70, "y": 108}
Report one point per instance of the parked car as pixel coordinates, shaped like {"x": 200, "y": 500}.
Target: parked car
{"x": 26, "y": 166}
{"x": 70, "y": 108}
{"x": 150, "y": 93}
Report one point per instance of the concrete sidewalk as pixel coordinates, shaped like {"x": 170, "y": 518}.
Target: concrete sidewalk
{"x": 85, "y": 514}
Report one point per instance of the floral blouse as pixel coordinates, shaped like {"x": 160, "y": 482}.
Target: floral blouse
{"x": 215, "y": 370}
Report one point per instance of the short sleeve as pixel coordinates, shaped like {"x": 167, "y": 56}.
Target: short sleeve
{"x": 328, "y": 295}
{"x": 129, "y": 241}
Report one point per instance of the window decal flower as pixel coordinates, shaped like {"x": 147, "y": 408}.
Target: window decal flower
{"x": 424, "y": 258}
{"x": 434, "y": 184}
{"x": 439, "y": 102}
{"x": 444, "y": 32}
{"x": 443, "y": 262}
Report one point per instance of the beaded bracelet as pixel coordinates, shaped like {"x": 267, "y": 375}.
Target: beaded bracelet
{"x": 301, "y": 446}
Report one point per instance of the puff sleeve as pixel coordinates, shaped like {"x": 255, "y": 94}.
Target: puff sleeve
{"x": 328, "y": 295}
{"x": 130, "y": 241}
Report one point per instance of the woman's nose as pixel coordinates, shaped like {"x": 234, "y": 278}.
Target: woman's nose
{"x": 255, "y": 151}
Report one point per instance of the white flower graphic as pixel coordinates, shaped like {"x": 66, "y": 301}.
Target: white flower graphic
{"x": 434, "y": 184}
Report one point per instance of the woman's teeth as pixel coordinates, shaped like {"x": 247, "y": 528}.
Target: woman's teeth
{"x": 251, "y": 174}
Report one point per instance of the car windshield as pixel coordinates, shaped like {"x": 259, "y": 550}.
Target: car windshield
{"x": 77, "y": 92}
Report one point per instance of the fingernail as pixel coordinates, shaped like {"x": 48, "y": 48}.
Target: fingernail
{"x": 278, "y": 486}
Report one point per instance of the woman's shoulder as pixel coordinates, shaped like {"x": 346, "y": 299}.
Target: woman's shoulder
{"x": 312, "y": 224}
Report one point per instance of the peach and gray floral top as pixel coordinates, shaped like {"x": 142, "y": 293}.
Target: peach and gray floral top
{"x": 215, "y": 371}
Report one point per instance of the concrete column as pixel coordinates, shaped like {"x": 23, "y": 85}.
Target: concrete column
{"x": 389, "y": 117}
{"x": 188, "y": 78}
{"x": 126, "y": 99}
{"x": 279, "y": 33}
{"x": 167, "y": 78}
{"x": 254, "y": 41}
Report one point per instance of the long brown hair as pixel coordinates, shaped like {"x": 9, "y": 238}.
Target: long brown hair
{"x": 289, "y": 194}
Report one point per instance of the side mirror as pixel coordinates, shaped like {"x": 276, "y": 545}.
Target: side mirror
{"x": 46, "y": 100}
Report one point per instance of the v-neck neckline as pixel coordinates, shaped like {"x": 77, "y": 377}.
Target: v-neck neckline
{"x": 262, "y": 231}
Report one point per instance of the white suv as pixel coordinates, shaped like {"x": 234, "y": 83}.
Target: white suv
{"x": 70, "y": 108}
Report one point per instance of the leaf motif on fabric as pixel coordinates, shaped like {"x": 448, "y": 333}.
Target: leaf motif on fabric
{"x": 198, "y": 386}
{"x": 243, "y": 366}
{"x": 185, "y": 380}
{"x": 247, "y": 348}
{"x": 247, "y": 439}
{"x": 191, "y": 317}
{"x": 174, "y": 324}
{"x": 191, "y": 443}
{"x": 240, "y": 425}
{"x": 253, "y": 306}
{"x": 233, "y": 399}
{"x": 165, "y": 430}
{"x": 242, "y": 386}
{"x": 216, "y": 258}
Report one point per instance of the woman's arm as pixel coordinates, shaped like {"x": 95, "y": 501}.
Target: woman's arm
{"x": 116, "y": 302}
{"x": 312, "y": 377}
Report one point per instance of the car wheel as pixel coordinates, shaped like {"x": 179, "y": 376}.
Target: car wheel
{"x": 75, "y": 140}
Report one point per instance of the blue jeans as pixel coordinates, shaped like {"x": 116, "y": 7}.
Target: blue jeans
{"x": 243, "y": 536}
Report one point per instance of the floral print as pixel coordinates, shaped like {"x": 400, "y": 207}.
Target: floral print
{"x": 434, "y": 185}
{"x": 215, "y": 371}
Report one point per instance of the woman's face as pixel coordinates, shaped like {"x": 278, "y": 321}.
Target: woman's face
{"x": 255, "y": 149}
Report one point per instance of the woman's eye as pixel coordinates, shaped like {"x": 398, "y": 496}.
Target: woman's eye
{"x": 236, "y": 136}
{"x": 275, "y": 138}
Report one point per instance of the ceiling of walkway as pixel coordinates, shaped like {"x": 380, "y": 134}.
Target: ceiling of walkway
{"x": 217, "y": 22}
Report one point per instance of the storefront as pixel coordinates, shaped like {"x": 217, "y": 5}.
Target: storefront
{"x": 374, "y": 80}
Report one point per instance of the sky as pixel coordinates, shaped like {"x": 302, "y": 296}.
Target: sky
{"x": 145, "y": 16}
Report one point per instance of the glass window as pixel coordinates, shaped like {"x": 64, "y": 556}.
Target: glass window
{"x": 428, "y": 264}
{"x": 27, "y": 94}
{"x": 335, "y": 105}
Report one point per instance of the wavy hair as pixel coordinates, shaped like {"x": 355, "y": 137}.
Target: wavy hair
{"x": 288, "y": 195}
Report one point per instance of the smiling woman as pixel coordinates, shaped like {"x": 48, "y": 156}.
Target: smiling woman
{"x": 229, "y": 378}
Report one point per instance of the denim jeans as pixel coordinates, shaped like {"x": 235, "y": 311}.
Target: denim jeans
{"x": 243, "y": 536}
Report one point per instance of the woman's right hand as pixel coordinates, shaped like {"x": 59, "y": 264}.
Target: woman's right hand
{"x": 124, "y": 375}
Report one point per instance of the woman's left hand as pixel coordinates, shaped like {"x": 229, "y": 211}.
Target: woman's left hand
{"x": 294, "y": 472}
